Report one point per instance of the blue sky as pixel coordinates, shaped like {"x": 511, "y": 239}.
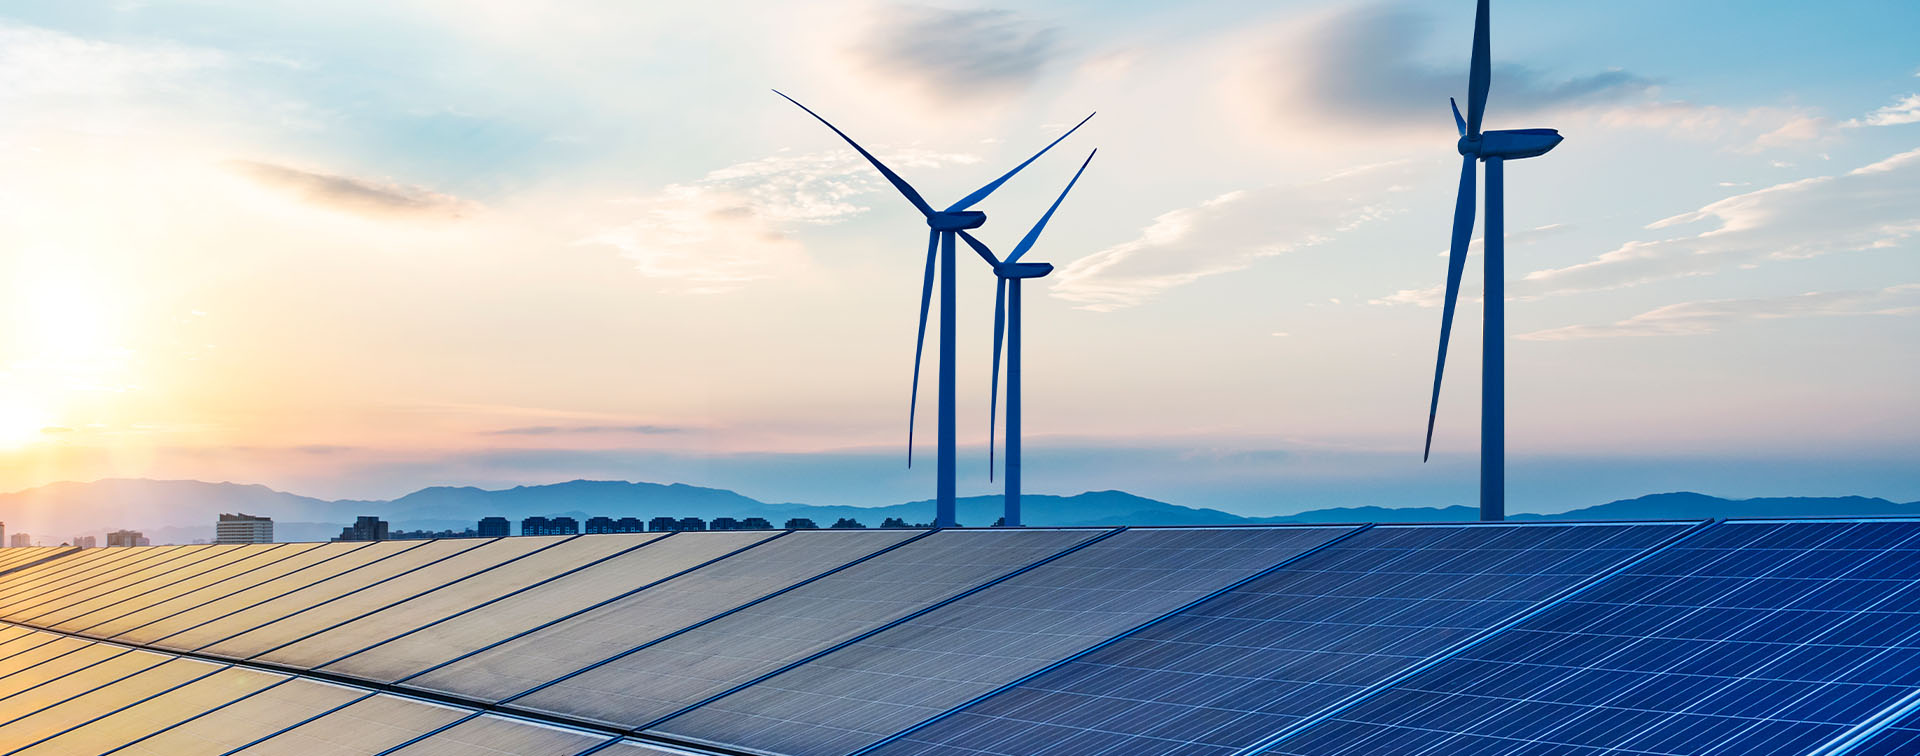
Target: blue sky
{"x": 339, "y": 249}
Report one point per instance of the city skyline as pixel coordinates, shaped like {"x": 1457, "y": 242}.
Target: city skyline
{"x": 254, "y": 244}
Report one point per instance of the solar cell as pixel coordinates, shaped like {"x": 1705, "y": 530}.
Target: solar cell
{"x": 1748, "y": 638}
{"x": 138, "y": 587}
{"x": 52, "y": 585}
{"x": 113, "y": 729}
{"x": 27, "y": 611}
{"x": 48, "y": 661}
{"x": 500, "y": 735}
{"x": 27, "y": 577}
{"x": 1231, "y": 670}
{"x": 205, "y": 627}
{"x": 684, "y": 669}
{"x": 250, "y": 561}
{"x": 637, "y": 613}
{"x": 106, "y": 687}
{"x": 1900, "y": 740}
{"x": 240, "y": 591}
{"x": 899, "y": 677}
{"x": 424, "y": 609}
{"x": 18, "y": 639}
{"x": 366, "y": 727}
{"x": 248, "y": 719}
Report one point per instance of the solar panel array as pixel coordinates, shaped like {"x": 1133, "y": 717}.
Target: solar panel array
{"x": 1755, "y": 637}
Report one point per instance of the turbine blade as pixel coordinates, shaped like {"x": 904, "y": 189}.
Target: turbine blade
{"x": 1480, "y": 76}
{"x": 980, "y": 248}
{"x": 981, "y": 193}
{"x": 1458, "y": 122}
{"x": 920, "y": 342}
{"x": 1033, "y": 234}
{"x": 893, "y": 178}
{"x": 999, "y": 336}
{"x": 1456, "y": 265}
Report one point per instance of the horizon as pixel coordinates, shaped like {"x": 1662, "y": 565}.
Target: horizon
{"x": 497, "y": 247}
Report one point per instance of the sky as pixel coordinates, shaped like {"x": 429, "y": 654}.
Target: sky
{"x": 356, "y": 248}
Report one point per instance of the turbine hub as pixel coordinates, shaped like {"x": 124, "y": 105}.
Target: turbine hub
{"x": 1470, "y": 144}
{"x": 956, "y": 221}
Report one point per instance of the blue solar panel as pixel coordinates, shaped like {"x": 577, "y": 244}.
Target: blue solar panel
{"x": 1749, "y": 638}
{"x": 859, "y": 694}
{"x": 1237, "y": 668}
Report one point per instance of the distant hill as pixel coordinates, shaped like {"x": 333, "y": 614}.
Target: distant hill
{"x": 179, "y": 511}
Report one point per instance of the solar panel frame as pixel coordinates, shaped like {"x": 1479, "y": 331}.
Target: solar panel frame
{"x": 380, "y": 723}
{"x": 866, "y": 691}
{"x": 239, "y": 592}
{"x": 1311, "y": 644}
{"x": 672, "y": 689}
{"x": 1704, "y": 601}
{"x": 455, "y": 675}
{"x": 259, "y": 560}
{"x": 504, "y": 736}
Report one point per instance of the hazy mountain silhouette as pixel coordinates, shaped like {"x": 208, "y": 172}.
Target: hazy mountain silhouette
{"x": 177, "y": 511}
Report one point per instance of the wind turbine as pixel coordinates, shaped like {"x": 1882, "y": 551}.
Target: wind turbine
{"x": 943, "y": 225}
{"x": 1494, "y": 148}
{"x": 1006, "y": 327}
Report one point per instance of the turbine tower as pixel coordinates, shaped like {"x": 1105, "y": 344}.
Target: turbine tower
{"x": 1494, "y": 148}
{"x": 943, "y": 225}
{"x": 1006, "y": 328}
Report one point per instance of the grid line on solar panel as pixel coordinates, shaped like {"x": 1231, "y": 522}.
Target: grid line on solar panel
{"x": 67, "y": 576}
{"x": 315, "y": 590}
{"x": 49, "y": 661}
{"x": 45, "y": 694}
{"x": 1231, "y": 670}
{"x": 657, "y": 610}
{"x": 26, "y": 561}
{"x": 250, "y": 719}
{"x": 508, "y": 737}
{"x": 1886, "y": 732}
{"x": 259, "y": 561}
{"x": 151, "y": 623}
{"x": 141, "y": 588}
{"x": 1749, "y": 638}
{"x": 39, "y": 573}
{"x": 105, "y": 719}
{"x": 31, "y": 611}
{"x": 644, "y": 685}
{"x": 21, "y": 605}
{"x": 471, "y": 592}
{"x": 865, "y": 691}
{"x": 375, "y": 724}
{"x": 20, "y": 644}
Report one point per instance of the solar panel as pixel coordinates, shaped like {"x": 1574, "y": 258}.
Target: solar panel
{"x": 248, "y": 562}
{"x": 106, "y": 687}
{"x": 118, "y": 728}
{"x": 1899, "y": 740}
{"x": 29, "y": 577}
{"x": 138, "y": 587}
{"x": 48, "y": 661}
{"x": 240, "y": 591}
{"x": 248, "y": 719}
{"x": 682, "y": 670}
{"x": 1748, "y": 638}
{"x": 508, "y": 737}
{"x": 18, "y": 639}
{"x": 1231, "y": 670}
{"x": 906, "y": 674}
{"x": 205, "y": 627}
{"x": 644, "y": 613}
{"x": 426, "y": 608}
{"x": 366, "y": 727}
{"x": 80, "y": 588}
{"x": 28, "y": 594}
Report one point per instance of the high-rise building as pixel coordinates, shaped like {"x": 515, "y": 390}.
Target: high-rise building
{"x": 21, "y": 539}
{"x": 86, "y": 542}
{"x": 629, "y": 525}
{"x": 663, "y": 523}
{"x": 243, "y": 528}
{"x": 365, "y": 528}
{"x": 563, "y": 526}
{"x": 533, "y": 526}
{"x": 724, "y": 523}
{"x": 3, "y": 533}
{"x": 596, "y": 525}
{"x": 756, "y": 523}
{"x": 800, "y": 523}
{"x": 127, "y": 538}
{"x": 495, "y": 527}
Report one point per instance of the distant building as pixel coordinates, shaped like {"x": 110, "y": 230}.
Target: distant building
{"x": 3, "y": 533}
{"x": 692, "y": 523}
{"x": 846, "y": 523}
{"x": 724, "y": 523}
{"x": 663, "y": 523}
{"x": 756, "y": 523}
{"x": 598, "y": 525}
{"x": 86, "y": 542}
{"x": 495, "y": 527}
{"x": 563, "y": 526}
{"x": 426, "y": 535}
{"x": 801, "y": 523}
{"x": 629, "y": 525}
{"x": 243, "y": 528}
{"x": 533, "y": 526}
{"x": 127, "y": 538}
{"x": 20, "y": 539}
{"x": 366, "y": 528}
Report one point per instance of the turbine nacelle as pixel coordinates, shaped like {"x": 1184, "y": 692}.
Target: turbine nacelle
{"x": 1510, "y": 144}
{"x": 956, "y": 220}
{"x": 1022, "y": 270}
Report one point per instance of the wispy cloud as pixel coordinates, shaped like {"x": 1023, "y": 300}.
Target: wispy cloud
{"x": 1696, "y": 318}
{"x": 1433, "y": 296}
{"x": 350, "y": 194}
{"x": 957, "y": 53}
{"x": 1870, "y": 207}
{"x": 1903, "y": 111}
{"x": 1226, "y": 233}
{"x": 557, "y": 430}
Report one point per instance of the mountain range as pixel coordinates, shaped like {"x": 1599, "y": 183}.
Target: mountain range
{"x": 180, "y": 511}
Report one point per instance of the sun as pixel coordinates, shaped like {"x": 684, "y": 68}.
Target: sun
{"x": 23, "y": 419}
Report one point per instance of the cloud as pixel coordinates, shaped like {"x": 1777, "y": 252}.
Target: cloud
{"x": 732, "y": 226}
{"x": 552, "y": 430}
{"x": 1434, "y": 296}
{"x": 35, "y": 61}
{"x": 1696, "y": 318}
{"x": 350, "y": 194}
{"x": 1874, "y": 206}
{"x": 971, "y": 53}
{"x": 1905, "y": 111}
{"x": 1740, "y": 130}
{"x": 1357, "y": 68}
{"x": 1226, "y": 233}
